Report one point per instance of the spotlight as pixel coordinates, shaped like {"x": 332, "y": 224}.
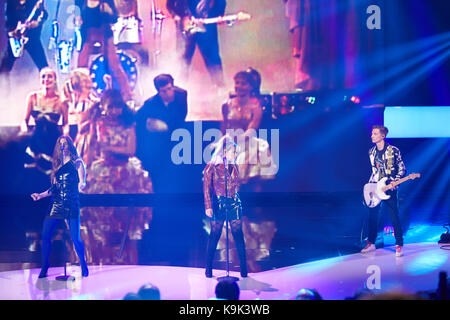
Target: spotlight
{"x": 266, "y": 105}
{"x": 310, "y": 100}
{"x": 355, "y": 99}
{"x": 286, "y": 103}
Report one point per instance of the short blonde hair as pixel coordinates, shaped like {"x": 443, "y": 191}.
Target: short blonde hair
{"x": 50, "y": 70}
{"x": 74, "y": 83}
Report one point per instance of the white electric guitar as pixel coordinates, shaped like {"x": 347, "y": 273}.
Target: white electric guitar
{"x": 191, "y": 25}
{"x": 374, "y": 192}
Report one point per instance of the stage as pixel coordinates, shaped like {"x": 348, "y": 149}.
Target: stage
{"x": 335, "y": 278}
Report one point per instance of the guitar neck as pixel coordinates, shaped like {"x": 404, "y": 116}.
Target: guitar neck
{"x": 396, "y": 183}
{"x": 33, "y": 12}
{"x": 218, "y": 19}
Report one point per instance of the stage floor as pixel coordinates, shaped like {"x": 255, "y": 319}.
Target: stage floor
{"x": 334, "y": 278}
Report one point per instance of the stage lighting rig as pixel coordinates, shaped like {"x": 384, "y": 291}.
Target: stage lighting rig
{"x": 284, "y": 103}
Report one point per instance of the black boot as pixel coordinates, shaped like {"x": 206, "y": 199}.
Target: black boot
{"x": 79, "y": 248}
{"x": 43, "y": 273}
{"x": 244, "y": 273}
{"x": 238, "y": 236}
{"x": 210, "y": 251}
{"x": 84, "y": 270}
{"x": 213, "y": 240}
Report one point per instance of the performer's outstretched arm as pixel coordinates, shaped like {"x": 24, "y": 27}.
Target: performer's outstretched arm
{"x": 39, "y": 196}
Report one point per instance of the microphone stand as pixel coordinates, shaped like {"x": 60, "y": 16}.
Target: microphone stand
{"x": 65, "y": 277}
{"x": 227, "y": 277}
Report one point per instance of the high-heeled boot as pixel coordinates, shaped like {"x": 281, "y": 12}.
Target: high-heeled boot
{"x": 79, "y": 248}
{"x": 43, "y": 273}
{"x": 240, "y": 248}
{"x": 213, "y": 240}
{"x": 84, "y": 269}
{"x": 46, "y": 247}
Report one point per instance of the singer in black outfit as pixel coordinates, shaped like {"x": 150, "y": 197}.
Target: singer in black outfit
{"x": 67, "y": 178}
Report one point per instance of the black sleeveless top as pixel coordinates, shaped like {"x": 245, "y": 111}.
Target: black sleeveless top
{"x": 96, "y": 18}
{"x": 65, "y": 194}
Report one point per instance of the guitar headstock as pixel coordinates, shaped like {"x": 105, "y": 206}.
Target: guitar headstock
{"x": 413, "y": 176}
{"x": 243, "y": 16}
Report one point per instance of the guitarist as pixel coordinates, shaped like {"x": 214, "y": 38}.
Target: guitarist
{"x": 19, "y": 11}
{"x": 207, "y": 42}
{"x": 386, "y": 161}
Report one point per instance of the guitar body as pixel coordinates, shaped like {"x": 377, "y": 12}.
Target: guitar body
{"x": 191, "y": 25}
{"x": 17, "y": 45}
{"x": 373, "y": 193}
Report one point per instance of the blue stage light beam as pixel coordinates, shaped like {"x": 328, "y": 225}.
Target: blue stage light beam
{"x": 419, "y": 72}
{"x": 426, "y": 162}
{"x": 389, "y": 73}
{"x": 440, "y": 188}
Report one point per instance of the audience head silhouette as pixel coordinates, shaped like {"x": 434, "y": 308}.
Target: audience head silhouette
{"x": 227, "y": 289}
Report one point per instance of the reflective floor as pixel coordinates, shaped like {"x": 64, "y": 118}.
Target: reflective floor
{"x": 335, "y": 278}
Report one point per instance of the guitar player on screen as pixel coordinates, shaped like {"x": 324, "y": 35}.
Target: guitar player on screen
{"x": 206, "y": 40}
{"x": 24, "y": 19}
{"x": 387, "y": 162}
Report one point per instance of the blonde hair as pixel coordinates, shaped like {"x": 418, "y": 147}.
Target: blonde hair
{"x": 76, "y": 78}
{"x": 222, "y": 146}
{"x": 48, "y": 69}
